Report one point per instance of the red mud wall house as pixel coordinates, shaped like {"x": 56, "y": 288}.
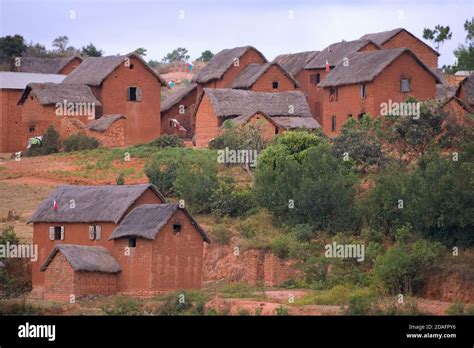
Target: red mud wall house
{"x": 39, "y": 111}
{"x": 131, "y": 89}
{"x": 465, "y": 91}
{"x": 246, "y": 55}
{"x": 398, "y": 64}
{"x": 172, "y": 259}
{"x": 400, "y": 37}
{"x": 268, "y": 128}
{"x": 179, "y": 106}
{"x": 59, "y": 65}
{"x": 268, "y": 77}
{"x": 315, "y": 71}
{"x": 12, "y": 84}
{"x": 87, "y": 198}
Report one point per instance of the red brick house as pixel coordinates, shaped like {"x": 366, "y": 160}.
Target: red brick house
{"x": 179, "y": 106}
{"x": 124, "y": 85}
{"x": 60, "y": 65}
{"x": 400, "y": 37}
{"x": 45, "y": 104}
{"x": 109, "y": 239}
{"x": 465, "y": 91}
{"x": 315, "y": 70}
{"x": 12, "y": 85}
{"x": 216, "y": 105}
{"x": 373, "y": 78}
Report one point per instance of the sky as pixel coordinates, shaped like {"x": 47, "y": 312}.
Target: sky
{"x": 273, "y": 27}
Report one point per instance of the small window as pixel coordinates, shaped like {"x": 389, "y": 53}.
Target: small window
{"x": 32, "y": 128}
{"x": 132, "y": 242}
{"x": 176, "y": 228}
{"x": 405, "y": 85}
{"x": 131, "y": 66}
{"x": 132, "y": 93}
{"x": 276, "y": 130}
{"x": 362, "y": 91}
{"x": 333, "y": 94}
{"x": 315, "y": 78}
{"x": 95, "y": 232}
{"x": 333, "y": 124}
{"x": 275, "y": 84}
{"x": 359, "y": 116}
{"x": 349, "y": 116}
{"x": 56, "y": 233}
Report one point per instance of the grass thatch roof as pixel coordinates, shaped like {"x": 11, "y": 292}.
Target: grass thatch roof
{"x": 43, "y": 65}
{"x": 468, "y": 88}
{"x": 85, "y": 258}
{"x": 177, "y": 96}
{"x": 445, "y": 91}
{"x": 107, "y": 203}
{"x": 282, "y": 121}
{"x": 384, "y": 36}
{"x": 52, "y": 93}
{"x": 221, "y": 62}
{"x": 227, "y": 102}
{"x": 295, "y": 62}
{"x": 336, "y": 52}
{"x": 94, "y": 70}
{"x": 146, "y": 221}
{"x": 365, "y": 66}
{"x": 253, "y": 72}
{"x": 104, "y": 123}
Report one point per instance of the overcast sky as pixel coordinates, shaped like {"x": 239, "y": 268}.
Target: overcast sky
{"x": 273, "y": 27}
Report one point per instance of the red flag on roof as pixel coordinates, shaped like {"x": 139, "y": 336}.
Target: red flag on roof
{"x": 55, "y": 205}
{"x": 328, "y": 68}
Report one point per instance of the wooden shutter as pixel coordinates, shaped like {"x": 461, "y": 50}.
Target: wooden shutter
{"x": 51, "y": 233}
{"x": 139, "y": 94}
{"x": 98, "y": 232}
{"x": 91, "y": 232}
{"x": 62, "y": 232}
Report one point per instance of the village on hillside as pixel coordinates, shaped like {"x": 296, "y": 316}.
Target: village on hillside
{"x": 337, "y": 181}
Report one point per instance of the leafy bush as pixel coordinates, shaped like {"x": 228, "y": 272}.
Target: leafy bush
{"x": 281, "y": 246}
{"x": 8, "y": 307}
{"x": 221, "y": 234}
{"x": 309, "y": 187}
{"x": 123, "y": 305}
{"x": 234, "y": 137}
{"x": 167, "y": 140}
{"x": 456, "y": 308}
{"x": 50, "y": 144}
{"x": 120, "y": 180}
{"x": 78, "y": 142}
{"x": 182, "y": 303}
{"x": 359, "y": 305}
{"x": 281, "y": 310}
{"x": 229, "y": 200}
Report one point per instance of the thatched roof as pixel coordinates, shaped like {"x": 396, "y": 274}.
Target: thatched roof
{"x": 221, "y": 62}
{"x": 439, "y": 72}
{"x": 94, "y": 70}
{"x": 227, "y": 102}
{"x": 365, "y": 66}
{"x": 444, "y": 91}
{"x": 177, "y": 96}
{"x": 19, "y": 80}
{"x": 253, "y": 72}
{"x": 285, "y": 122}
{"x": 52, "y": 93}
{"x": 85, "y": 258}
{"x": 336, "y": 52}
{"x": 43, "y": 65}
{"x": 104, "y": 123}
{"x": 468, "y": 88}
{"x": 438, "y": 103}
{"x": 384, "y": 36}
{"x": 146, "y": 221}
{"x": 295, "y": 62}
{"x": 107, "y": 203}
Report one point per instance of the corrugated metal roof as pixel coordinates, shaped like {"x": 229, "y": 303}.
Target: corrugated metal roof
{"x": 19, "y": 80}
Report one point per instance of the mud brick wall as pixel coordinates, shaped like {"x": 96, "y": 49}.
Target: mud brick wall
{"x": 58, "y": 279}
{"x": 95, "y": 283}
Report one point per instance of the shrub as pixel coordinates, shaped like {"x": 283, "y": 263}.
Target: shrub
{"x": 229, "y": 200}
{"x": 123, "y": 305}
{"x": 359, "y": 305}
{"x": 8, "y": 307}
{"x": 221, "y": 234}
{"x": 120, "y": 180}
{"x": 248, "y": 137}
{"x": 281, "y": 246}
{"x": 167, "y": 140}
{"x": 456, "y": 308}
{"x": 281, "y": 310}
{"x": 50, "y": 144}
{"x": 78, "y": 142}
{"x": 182, "y": 303}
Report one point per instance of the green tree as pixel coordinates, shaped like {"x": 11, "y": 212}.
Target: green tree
{"x": 178, "y": 54}
{"x": 153, "y": 63}
{"x": 91, "y": 51}
{"x": 206, "y": 56}
{"x": 438, "y": 35}
{"x": 464, "y": 53}
{"x": 61, "y": 43}
{"x": 11, "y": 46}
{"x": 140, "y": 51}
